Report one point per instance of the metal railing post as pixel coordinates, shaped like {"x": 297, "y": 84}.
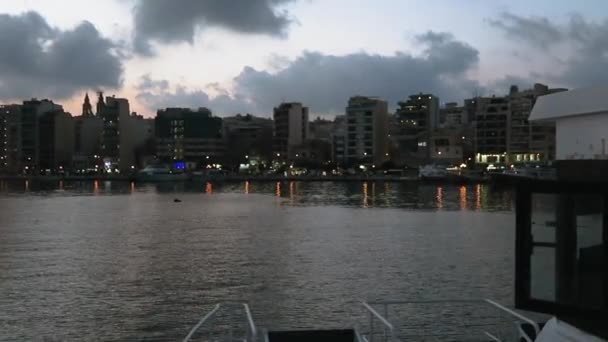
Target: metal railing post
{"x": 371, "y": 327}
{"x": 252, "y": 329}
{"x": 203, "y": 320}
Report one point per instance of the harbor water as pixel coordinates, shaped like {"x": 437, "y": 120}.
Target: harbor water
{"x": 119, "y": 261}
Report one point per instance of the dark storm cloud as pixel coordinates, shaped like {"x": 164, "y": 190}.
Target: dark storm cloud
{"x": 325, "y": 82}
{"x": 169, "y": 21}
{"x": 38, "y": 60}
{"x": 581, "y": 44}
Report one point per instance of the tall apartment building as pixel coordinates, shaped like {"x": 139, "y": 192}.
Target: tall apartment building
{"x": 453, "y": 115}
{"x": 529, "y": 142}
{"x": 291, "y": 128}
{"x": 10, "y": 138}
{"x": 189, "y": 139}
{"x": 503, "y": 132}
{"x": 36, "y": 137}
{"x": 338, "y": 140}
{"x": 247, "y": 138}
{"x": 55, "y": 141}
{"x": 491, "y": 128}
{"x": 415, "y": 120}
{"x": 87, "y": 137}
{"x": 28, "y": 152}
{"x": 366, "y": 130}
{"x": 118, "y": 137}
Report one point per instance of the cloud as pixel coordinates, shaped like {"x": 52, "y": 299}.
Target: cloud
{"x": 39, "y": 60}
{"x": 533, "y": 30}
{"x": 157, "y": 94}
{"x": 581, "y": 44}
{"x": 325, "y": 82}
{"x": 166, "y": 21}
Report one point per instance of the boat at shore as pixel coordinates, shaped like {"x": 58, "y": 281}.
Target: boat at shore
{"x": 160, "y": 174}
{"x": 515, "y": 174}
{"x": 437, "y": 173}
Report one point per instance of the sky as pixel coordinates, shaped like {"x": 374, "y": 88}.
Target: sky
{"x": 242, "y": 56}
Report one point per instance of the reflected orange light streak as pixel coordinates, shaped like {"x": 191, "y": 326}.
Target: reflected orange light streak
{"x": 209, "y": 188}
{"x": 27, "y": 185}
{"x": 96, "y": 186}
{"x": 478, "y": 197}
{"x": 246, "y": 187}
{"x": 439, "y": 197}
{"x": 463, "y": 197}
{"x": 278, "y": 189}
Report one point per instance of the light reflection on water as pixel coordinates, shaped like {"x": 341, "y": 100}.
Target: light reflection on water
{"x": 122, "y": 261}
{"x": 411, "y": 195}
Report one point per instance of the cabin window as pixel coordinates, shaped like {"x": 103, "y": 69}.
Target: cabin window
{"x": 562, "y": 249}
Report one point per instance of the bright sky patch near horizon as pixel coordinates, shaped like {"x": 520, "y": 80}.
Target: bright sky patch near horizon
{"x": 249, "y": 55}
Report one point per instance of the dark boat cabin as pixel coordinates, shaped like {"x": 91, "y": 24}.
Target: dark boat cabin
{"x": 562, "y": 252}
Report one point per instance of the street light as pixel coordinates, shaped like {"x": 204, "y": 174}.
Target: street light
{"x": 247, "y": 157}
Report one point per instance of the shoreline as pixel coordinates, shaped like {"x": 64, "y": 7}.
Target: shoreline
{"x": 245, "y": 178}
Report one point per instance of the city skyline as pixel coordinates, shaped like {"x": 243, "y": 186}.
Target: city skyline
{"x": 237, "y": 63}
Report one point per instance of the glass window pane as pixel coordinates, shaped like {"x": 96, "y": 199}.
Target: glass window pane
{"x": 542, "y": 267}
{"x": 543, "y": 217}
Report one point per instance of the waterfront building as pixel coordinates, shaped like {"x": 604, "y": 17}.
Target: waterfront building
{"x": 37, "y": 137}
{"x": 291, "y": 128}
{"x": 143, "y": 139}
{"x": 415, "y": 120}
{"x": 87, "y": 142}
{"x": 453, "y": 115}
{"x": 116, "y": 150}
{"x": 28, "y": 147}
{"x": 248, "y": 138}
{"x": 312, "y": 153}
{"x": 491, "y": 120}
{"x": 504, "y": 133}
{"x": 10, "y": 138}
{"x": 338, "y": 140}
{"x": 529, "y": 141}
{"x": 320, "y": 129}
{"x": 581, "y": 118}
{"x": 366, "y": 130}
{"x": 123, "y": 134}
{"x": 450, "y": 145}
{"x": 55, "y": 142}
{"x": 189, "y": 139}
{"x": 87, "y": 138}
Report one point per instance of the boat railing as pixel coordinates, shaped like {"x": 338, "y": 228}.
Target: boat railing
{"x": 218, "y": 324}
{"x": 386, "y": 331}
{"x": 444, "y": 320}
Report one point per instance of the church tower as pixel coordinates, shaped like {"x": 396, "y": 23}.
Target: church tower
{"x": 101, "y": 105}
{"x": 87, "y": 109}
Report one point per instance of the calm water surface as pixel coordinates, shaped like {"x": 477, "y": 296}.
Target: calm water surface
{"x": 120, "y": 261}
